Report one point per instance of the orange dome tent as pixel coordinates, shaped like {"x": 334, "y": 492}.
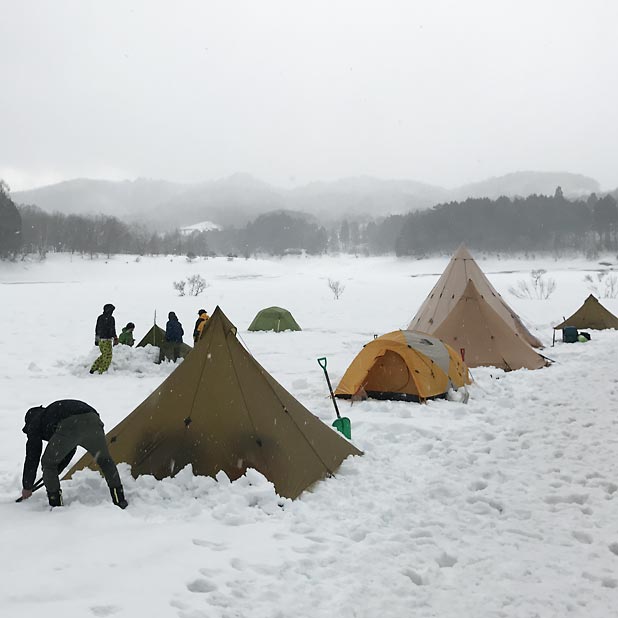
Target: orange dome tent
{"x": 404, "y": 365}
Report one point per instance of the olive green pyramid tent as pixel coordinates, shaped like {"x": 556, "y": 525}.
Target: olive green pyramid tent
{"x": 221, "y": 410}
{"x": 274, "y": 318}
{"x": 592, "y": 314}
{"x": 483, "y": 338}
{"x": 156, "y": 336}
{"x": 448, "y": 290}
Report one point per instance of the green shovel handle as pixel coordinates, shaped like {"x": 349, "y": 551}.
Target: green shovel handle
{"x": 322, "y": 362}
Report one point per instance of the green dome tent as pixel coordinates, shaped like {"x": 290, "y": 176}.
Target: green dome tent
{"x": 274, "y": 318}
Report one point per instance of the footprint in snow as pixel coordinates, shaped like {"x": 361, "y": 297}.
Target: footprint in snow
{"x": 613, "y": 547}
{"x": 201, "y": 586}
{"x": 446, "y": 560}
{"x": 415, "y": 578}
{"x": 238, "y": 564}
{"x": 568, "y": 499}
{"x": 582, "y": 537}
{"x": 609, "y": 582}
{"x": 317, "y": 539}
{"x": 210, "y": 544}
{"x": 606, "y": 582}
{"x": 208, "y": 572}
{"x": 477, "y": 486}
{"x": 104, "y": 610}
{"x": 611, "y": 488}
{"x": 421, "y": 534}
{"x": 308, "y": 549}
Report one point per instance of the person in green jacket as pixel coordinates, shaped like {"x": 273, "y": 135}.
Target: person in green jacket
{"x": 126, "y": 336}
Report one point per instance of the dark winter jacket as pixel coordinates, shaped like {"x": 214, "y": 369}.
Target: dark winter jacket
{"x": 106, "y": 325}
{"x": 173, "y": 329}
{"x": 41, "y": 424}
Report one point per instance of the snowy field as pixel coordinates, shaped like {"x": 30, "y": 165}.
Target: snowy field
{"x": 504, "y": 507}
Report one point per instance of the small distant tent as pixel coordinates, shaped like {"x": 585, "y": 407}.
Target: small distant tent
{"x": 221, "y": 410}
{"x": 404, "y": 365}
{"x": 156, "y": 336}
{"x": 593, "y": 315}
{"x": 274, "y": 318}
{"x": 478, "y": 332}
{"x": 448, "y": 290}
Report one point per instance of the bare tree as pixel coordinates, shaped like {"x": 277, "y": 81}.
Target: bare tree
{"x": 193, "y": 285}
{"x": 197, "y": 285}
{"x": 605, "y": 286}
{"x": 539, "y": 288}
{"x": 179, "y": 286}
{"x": 336, "y": 288}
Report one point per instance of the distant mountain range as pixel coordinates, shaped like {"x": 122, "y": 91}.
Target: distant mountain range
{"x": 240, "y": 197}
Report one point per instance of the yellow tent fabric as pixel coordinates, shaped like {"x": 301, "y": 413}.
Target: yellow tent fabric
{"x": 487, "y": 340}
{"x": 404, "y": 365}
{"x": 592, "y": 314}
{"x": 221, "y": 410}
{"x": 448, "y": 290}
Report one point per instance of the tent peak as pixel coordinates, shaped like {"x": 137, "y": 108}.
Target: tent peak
{"x": 462, "y": 253}
{"x": 471, "y": 291}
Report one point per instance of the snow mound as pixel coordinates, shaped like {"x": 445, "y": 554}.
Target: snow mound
{"x": 125, "y": 360}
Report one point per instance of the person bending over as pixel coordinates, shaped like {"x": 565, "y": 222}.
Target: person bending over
{"x": 65, "y": 425}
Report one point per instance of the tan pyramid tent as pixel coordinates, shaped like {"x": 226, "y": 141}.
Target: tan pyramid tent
{"x": 221, "y": 410}
{"x": 592, "y": 314}
{"x": 449, "y": 288}
{"x": 156, "y": 336}
{"x": 486, "y": 339}
{"x": 404, "y": 365}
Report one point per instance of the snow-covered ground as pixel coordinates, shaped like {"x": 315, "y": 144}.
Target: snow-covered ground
{"x": 504, "y": 507}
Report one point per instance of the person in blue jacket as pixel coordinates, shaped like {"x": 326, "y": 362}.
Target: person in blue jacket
{"x": 173, "y": 338}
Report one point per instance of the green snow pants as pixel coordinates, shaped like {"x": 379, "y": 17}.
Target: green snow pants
{"x": 103, "y": 362}
{"x": 84, "y": 430}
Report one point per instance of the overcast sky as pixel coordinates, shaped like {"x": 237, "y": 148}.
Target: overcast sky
{"x": 445, "y": 92}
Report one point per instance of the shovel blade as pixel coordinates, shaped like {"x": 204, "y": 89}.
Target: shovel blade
{"x": 343, "y": 425}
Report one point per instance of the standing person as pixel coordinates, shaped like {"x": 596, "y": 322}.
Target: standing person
{"x": 65, "y": 425}
{"x": 126, "y": 336}
{"x": 104, "y": 336}
{"x": 199, "y": 325}
{"x": 173, "y": 338}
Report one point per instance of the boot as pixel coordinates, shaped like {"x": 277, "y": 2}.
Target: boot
{"x": 118, "y": 497}
{"x": 54, "y": 498}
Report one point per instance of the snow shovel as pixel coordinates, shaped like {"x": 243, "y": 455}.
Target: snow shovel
{"x": 36, "y": 486}
{"x": 341, "y": 423}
